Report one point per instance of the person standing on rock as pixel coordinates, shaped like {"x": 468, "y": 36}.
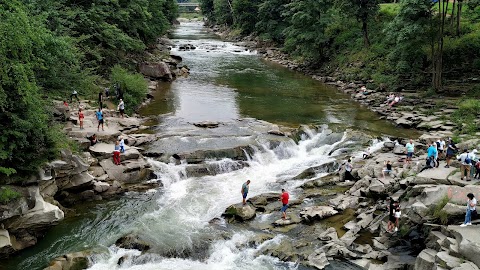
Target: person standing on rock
{"x": 99, "y": 115}
{"x": 244, "y": 191}
{"x": 122, "y": 145}
{"x": 398, "y": 214}
{"x": 391, "y": 215}
{"x": 116, "y": 153}
{"x": 432, "y": 153}
{"x": 471, "y": 203}
{"x": 441, "y": 148}
{"x": 410, "y": 150}
{"x": 451, "y": 149}
{"x": 74, "y": 94}
{"x": 348, "y": 170}
{"x": 466, "y": 159}
{"x": 284, "y": 199}
{"x": 81, "y": 116}
{"x": 121, "y": 107}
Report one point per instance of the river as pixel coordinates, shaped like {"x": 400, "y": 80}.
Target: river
{"x": 227, "y": 82}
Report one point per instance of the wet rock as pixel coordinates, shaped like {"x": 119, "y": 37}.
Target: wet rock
{"x": 312, "y": 213}
{"x": 276, "y": 132}
{"x": 318, "y": 260}
{"x": 6, "y": 246}
{"x": 207, "y": 124}
{"x": 80, "y": 181}
{"x": 443, "y": 258}
{"x": 240, "y": 212}
{"x": 101, "y": 187}
{"x": 313, "y": 171}
{"x": 71, "y": 261}
{"x": 132, "y": 241}
{"x": 131, "y": 171}
{"x": 159, "y": 70}
{"x": 329, "y": 235}
{"x": 293, "y": 219}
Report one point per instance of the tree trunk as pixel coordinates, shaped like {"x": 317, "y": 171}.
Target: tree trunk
{"x": 459, "y": 12}
{"x": 438, "y": 59}
{"x": 366, "y": 40}
{"x": 452, "y": 16}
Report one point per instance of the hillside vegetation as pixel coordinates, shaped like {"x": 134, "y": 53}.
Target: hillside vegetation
{"x": 412, "y": 43}
{"x": 49, "y": 48}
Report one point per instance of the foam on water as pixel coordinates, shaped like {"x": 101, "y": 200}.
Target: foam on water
{"x": 188, "y": 204}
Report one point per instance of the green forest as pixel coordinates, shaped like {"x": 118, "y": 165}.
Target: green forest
{"x": 49, "y": 48}
{"x": 410, "y": 43}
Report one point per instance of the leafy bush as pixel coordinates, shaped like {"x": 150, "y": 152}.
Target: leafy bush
{"x": 133, "y": 86}
{"x": 7, "y": 194}
{"x": 438, "y": 213}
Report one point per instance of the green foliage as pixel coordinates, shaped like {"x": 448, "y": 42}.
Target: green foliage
{"x": 24, "y": 141}
{"x": 245, "y": 14}
{"x": 473, "y": 10}
{"x": 133, "y": 85}
{"x": 222, "y": 11}
{"x": 207, "y": 9}
{"x": 7, "y": 194}
{"x": 271, "y": 24}
{"x": 362, "y": 10}
{"x": 438, "y": 213}
{"x": 306, "y": 33}
{"x": 466, "y": 115}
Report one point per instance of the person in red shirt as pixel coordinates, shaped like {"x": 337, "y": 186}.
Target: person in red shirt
{"x": 81, "y": 116}
{"x": 284, "y": 198}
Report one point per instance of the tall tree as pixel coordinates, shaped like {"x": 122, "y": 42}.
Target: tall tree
{"x": 363, "y": 11}
{"x": 24, "y": 133}
{"x": 305, "y": 35}
{"x": 271, "y": 23}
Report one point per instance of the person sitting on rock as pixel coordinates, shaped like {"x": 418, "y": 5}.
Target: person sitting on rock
{"x": 388, "y": 168}
{"x": 367, "y": 154}
{"x": 93, "y": 139}
{"x": 471, "y": 204}
{"x": 390, "y": 98}
{"x": 395, "y": 101}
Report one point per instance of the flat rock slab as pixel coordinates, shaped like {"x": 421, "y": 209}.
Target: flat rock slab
{"x": 440, "y": 173}
{"x": 311, "y": 213}
{"x": 469, "y": 242}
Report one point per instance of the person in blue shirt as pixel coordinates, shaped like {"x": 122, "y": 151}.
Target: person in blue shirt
{"x": 245, "y": 191}
{"x": 99, "y": 115}
{"x": 432, "y": 153}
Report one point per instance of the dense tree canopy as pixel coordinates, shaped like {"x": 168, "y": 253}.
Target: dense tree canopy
{"x": 395, "y": 43}
{"x": 48, "y": 48}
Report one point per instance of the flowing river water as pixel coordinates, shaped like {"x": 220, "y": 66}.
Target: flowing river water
{"x": 227, "y": 82}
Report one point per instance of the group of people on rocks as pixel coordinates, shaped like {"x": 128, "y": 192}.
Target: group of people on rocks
{"x": 393, "y": 99}
{"x": 284, "y": 198}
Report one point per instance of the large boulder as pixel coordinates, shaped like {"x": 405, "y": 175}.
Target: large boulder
{"x": 71, "y": 261}
{"x": 42, "y": 216}
{"x": 159, "y": 70}
{"x": 76, "y": 182}
{"x": 240, "y": 212}
{"x": 130, "y": 172}
{"x": 318, "y": 259}
{"x": 6, "y": 246}
{"x": 311, "y": 213}
{"x": 469, "y": 242}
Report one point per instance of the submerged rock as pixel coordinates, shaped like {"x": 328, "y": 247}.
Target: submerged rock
{"x": 132, "y": 241}
{"x": 71, "y": 261}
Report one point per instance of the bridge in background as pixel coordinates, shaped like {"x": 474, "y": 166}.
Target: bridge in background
{"x": 189, "y": 7}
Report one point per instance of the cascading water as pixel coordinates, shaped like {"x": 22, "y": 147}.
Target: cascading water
{"x": 179, "y": 228}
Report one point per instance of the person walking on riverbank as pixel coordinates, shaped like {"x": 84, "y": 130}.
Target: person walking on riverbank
{"x": 116, "y": 153}
{"x": 81, "y": 116}
{"x": 99, "y": 115}
{"x": 284, "y": 199}
{"x": 410, "y": 150}
{"x": 244, "y": 191}
{"x": 74, "y": 94}
{"x": 466, "y": 159}
{"x": 121, "y": 107}
{"x": 471, "y": 210}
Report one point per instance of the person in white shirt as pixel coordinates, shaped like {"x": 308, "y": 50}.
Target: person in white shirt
{"x": 471, "y": 203}
{"x": 398, "y": 214}
{"x": 441, "y": 147}
{"x": 121, "y": 107}
{"x": 122, "y": 145}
